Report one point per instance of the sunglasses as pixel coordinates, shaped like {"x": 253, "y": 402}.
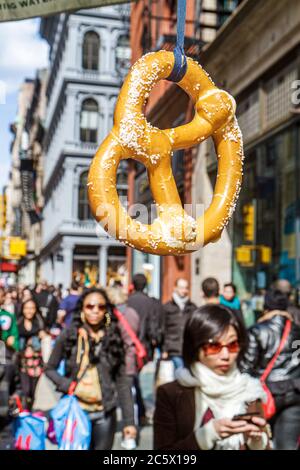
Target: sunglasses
{"x": 90, "y": 307}
{"x": 215, "y": 347}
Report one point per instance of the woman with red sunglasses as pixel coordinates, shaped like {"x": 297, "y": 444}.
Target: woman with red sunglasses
{"x": 211, "y": 405}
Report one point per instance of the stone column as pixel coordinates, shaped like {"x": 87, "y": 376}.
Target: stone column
{"x": 68, "y": 195}
{"x": 64, "y": 267}
{"x": 103, "y": 265}
{"x": 155, "y": 284}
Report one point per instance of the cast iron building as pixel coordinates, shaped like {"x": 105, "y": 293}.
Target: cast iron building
{"x": 89, "y": 54}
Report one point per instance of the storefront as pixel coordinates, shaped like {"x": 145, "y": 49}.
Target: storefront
{"x": 271, "y": 188}
{"x": 86, "y": 265}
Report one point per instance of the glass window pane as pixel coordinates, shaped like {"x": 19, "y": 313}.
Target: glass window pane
{"x": 84, "y": 212}
{"x": 89, "y": 121}
{"x": 90, "y": 51}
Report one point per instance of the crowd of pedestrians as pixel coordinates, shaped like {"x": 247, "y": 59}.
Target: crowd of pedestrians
{"x": 93, "y": 343}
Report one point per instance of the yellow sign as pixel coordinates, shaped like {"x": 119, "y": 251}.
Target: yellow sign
{"x": 244, "y": 254}
{"x": 17, "y": 247}
{"x": 265, "y": 254}
{"x": 12, "y": 248}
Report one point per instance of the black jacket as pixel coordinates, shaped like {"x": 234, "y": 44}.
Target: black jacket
{"x": 114, "y": 386}
{"x": 9, "y": 385}
{"x": 48, "y": 306}
{"x": 264, "y": 340}
{"x": 148, "y": 311}
{"x": 295, "y": 312}
{"x": 174, "y": 323}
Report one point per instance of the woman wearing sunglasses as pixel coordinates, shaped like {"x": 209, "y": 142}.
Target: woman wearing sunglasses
{"x": 200, "y": 409}
{"x": 95, "y": 371}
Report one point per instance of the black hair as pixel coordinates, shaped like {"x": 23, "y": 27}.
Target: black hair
{"x": 139, "y": 281}
{"x": 112, "y": 343}
{"x": 38, "y": 316}
{"x": 75, "y": 285}
{"x": 206, "y": 323}
{"x": 37, "y": 309}
{"x": 276, "y": 300}
{"x": 230, "y": 284}
{"x": 210, "y": 287}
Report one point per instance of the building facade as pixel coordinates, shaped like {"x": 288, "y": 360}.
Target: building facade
{"x": 154, "y": 27}
{"x": 258, "y": 62}
{"x": 23, "y": 192}
{"x": 31, "y": 172}
{"x": 89, "y": 55}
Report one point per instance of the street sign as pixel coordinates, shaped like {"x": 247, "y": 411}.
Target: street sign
{"x": 12, "y": 248}
{"x": 17, "y": 247}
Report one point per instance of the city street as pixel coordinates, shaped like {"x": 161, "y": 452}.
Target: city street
{"x": 150, "y": 210}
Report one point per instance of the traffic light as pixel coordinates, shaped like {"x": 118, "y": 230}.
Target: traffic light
{"x": 249, "y": 222}
{"x": 243, "y": 255}
{"x": 265, "y": 254}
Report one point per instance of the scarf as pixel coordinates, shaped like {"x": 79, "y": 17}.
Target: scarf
{"x": 225, "y": 395}
{"x": 180, "y": 301}
{"x": 234, "y": 303}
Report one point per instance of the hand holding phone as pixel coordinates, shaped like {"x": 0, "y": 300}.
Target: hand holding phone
{"x": 246, "y": 417}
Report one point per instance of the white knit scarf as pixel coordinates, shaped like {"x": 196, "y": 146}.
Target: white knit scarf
{"x": 180, "y": 301}
{"x": 226, "y": 396}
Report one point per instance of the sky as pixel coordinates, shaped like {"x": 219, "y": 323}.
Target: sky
{"x": 22, "y": 52}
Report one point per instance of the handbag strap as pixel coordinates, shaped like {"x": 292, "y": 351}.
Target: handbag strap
{"x": 286, "y": 332}
{"x": 139, "y": 347}
{"x": 82, "y": 338}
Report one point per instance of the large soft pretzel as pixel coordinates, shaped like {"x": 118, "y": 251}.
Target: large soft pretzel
{"x": 173, "y": 231}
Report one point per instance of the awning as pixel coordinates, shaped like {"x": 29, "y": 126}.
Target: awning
{"x": 6, "y": 267}
{"x": 20, "y": 9}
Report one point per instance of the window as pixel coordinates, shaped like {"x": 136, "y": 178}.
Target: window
{"x": 90, "y": 51}
{"x": 249, "y": 116}
{"x": 89, "y": 121}
{"x": 225, "y": 8}
{"x": 278, "y": 96}
{"x": 84, "y": 211}
{"x": 122, "y": 183}
{"x": 123, "y": 55}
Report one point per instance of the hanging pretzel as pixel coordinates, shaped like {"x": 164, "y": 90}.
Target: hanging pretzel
{"x": 173, "y": 231}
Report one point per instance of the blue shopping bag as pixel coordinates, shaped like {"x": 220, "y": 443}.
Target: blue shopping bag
{"x": 71, "y": 424}
{"x": 29, "y": 432}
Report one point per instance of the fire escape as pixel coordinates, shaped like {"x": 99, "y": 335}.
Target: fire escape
{"x": 202, "y": 22}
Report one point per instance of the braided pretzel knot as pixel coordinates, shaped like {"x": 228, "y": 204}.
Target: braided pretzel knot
{"x": 173, "y": 231}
